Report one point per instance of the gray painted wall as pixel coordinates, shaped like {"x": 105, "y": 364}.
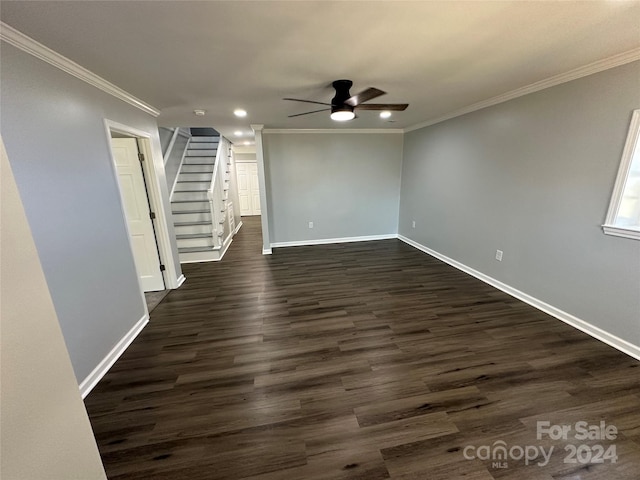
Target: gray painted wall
{"x": 348, "y": 184}
{"x": 165, "y": 135}
{"x": 45, "y": 428}
{"x": 69, "y": 190}
{"x": 172, "y": 164}
{"x": 533, "y": 177}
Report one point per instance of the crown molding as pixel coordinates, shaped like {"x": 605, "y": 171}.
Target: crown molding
{"x": 590, "y": 69}
{"x": 331, "y": 130}
{"x": 29, "y": 45}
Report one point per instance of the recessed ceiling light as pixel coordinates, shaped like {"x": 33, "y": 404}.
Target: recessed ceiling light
{"x": 237, "y": 133}
{"x": 385, "y": 114}
{"x": 199, "y": 113}
{"x": 238, "y": 112}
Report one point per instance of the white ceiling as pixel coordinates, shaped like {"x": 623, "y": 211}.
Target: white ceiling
{"x": 438, "y": 56}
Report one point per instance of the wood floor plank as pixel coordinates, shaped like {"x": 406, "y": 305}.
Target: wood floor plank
{"x": 365, "y": 360}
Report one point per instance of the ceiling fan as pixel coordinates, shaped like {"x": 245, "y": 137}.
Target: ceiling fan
{"x": 343, "y": 105}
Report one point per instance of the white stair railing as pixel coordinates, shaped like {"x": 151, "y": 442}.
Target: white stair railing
{"x": 216, "y": 195}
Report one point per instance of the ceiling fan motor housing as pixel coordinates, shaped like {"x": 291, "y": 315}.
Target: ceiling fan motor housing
{"x": 342, "y": 95}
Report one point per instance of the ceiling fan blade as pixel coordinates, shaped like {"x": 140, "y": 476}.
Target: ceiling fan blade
{"x": 396, "y": 107}
{"x": 368, "y": 94}
{"x": 306, "y": 101}
{"x": 307, "y": 113}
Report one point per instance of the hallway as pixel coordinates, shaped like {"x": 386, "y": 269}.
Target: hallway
{"x": 363, "y": 360}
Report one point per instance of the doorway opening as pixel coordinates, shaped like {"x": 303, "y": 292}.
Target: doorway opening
{"x": 142, "y": 208}
{"x": 248, "y": 187}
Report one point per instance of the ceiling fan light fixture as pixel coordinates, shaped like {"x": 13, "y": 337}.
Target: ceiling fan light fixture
{"x": 343, "y": 104}
{"x": 342, "y": 114}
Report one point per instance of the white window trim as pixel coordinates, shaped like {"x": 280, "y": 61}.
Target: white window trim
{"x": 633, "y": 142}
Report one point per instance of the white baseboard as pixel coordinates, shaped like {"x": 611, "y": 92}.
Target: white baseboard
{"x": 107, "y": 362}
{"x": 596, "y": 332}
{"x": 267, "y": 251}
{"x": 323, "y": 241}
{"x": 180, "y": 281}
{"x": 225, "y": 246}
{"x": 237, "y": 227}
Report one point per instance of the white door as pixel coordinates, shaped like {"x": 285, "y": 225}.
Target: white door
{"x": 254, "y": 186}
{"x": 136, "y": 207}
{"x": 248, "y": 188}
{"x": 243, "y": 188}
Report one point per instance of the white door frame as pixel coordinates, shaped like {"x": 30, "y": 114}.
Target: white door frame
{"x": 137, "y": 208}
{"x": 264, "y": 207}
{"x": 250, "y": 162}
{"x": 172, "y": 275}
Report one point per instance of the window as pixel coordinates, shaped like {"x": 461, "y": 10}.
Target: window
{"x": 623, "y": 217}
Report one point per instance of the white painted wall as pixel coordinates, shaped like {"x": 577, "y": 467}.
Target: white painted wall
{"x": 347, "y": 184}
{"x": 233, "y": 191}
{"x": 533, "y": 177}
{"x": 54, "y": 132}
{"x": 45, "y": 430}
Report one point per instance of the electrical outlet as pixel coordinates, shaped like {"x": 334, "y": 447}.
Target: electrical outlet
{"x": 310, "y": 224}
{"x": 499, "y": 255}
{"x": 413, "y": 224}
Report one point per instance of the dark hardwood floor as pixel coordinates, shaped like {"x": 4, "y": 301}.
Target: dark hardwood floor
{"x": 357, "y": 361}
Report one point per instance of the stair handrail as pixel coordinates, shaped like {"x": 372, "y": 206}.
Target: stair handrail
{"x": 167, "y": 151}
{"x": 215, "y": 198}
{"x": 177, "y": 132}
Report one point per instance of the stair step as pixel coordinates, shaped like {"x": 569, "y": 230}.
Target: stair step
{"x": 182, "y": 228}
{"x": 204, "y": 139}
{"x": 203, "y": 152}
{"x": 185, "y": 216}
{"x": 196, "y": 185}
{"x": 190, "y": 206}
{"x": 193, "y": 235}
{"x": 203, "y": 145}
{"x": 196, "y": 168}
{"x": 194, "y": 249}
{"x": 190, "y": 224}
{"x": 190, "y": 196}
{"x": 200, "y": 161}
{"x": 196, "y": 177}
{"x": 202, "y": 242}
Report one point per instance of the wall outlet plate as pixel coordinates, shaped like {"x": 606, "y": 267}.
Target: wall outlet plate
{"x": 310, "y": 224}
{"x": 499, "y": 255}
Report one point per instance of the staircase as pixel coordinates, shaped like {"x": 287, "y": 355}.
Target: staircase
{"x": 198, "y": 217}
